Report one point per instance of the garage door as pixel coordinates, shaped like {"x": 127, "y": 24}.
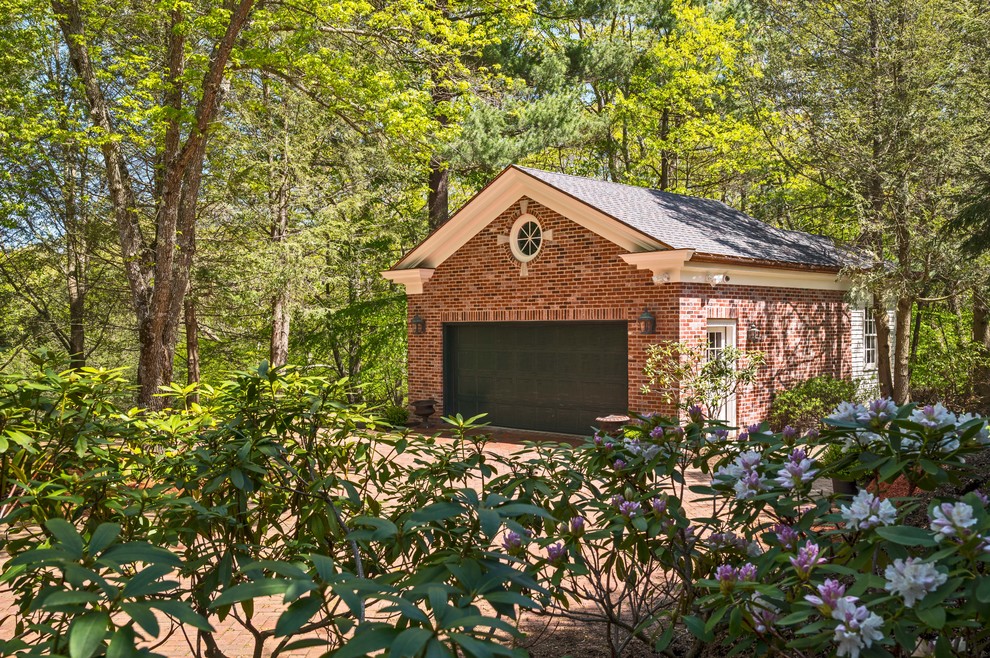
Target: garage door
{"x": 555, "y": 377}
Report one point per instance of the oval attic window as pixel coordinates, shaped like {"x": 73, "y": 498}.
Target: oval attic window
{"x": 526, "y": 238}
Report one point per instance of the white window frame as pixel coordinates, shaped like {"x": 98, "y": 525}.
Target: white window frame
{"x": 728, "y": 329}
{"x": 870, "y": 349}
{"x": 521, "y": 221}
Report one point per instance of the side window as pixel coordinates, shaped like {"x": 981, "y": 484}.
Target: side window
{"x": 869, "y": 338}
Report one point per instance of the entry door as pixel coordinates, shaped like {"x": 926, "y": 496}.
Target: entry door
{"x": 722, "y": 334}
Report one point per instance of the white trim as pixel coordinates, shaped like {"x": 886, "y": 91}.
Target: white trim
{"x": 731, "y": 330}
{"x": 511, "y": 186}
{"x": 413, "y": 279}
{"x": 765, "y": 277}
{"x": 677, "y": 266}
{"x": 523, "y": 219}
{"x": 665, "y": 265}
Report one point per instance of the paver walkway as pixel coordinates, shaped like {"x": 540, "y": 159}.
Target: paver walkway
{"x": 231, "y": 636}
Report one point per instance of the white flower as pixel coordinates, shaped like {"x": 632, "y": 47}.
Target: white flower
{"x": 748, "y": 460}
{"x": 858, "y": 627}
{"x": 878, "y": 411}
{"x": 743, "y": 466}
{"x": 862, "y": 439}
{"x": 847, "y": 412}
{"x": 933, "y": 417}
{"x": 795, "y": 473}
{"x": 910, "y": 445}
{"x": 983, "y": 435}
{"x": 948, "y": 444}
{"x": 867, "y": 511}
{"x": 912, "y": 579}
{"x": 748, "y": 485}
{"x": 952, "y": 520}
{"x": 647, "y": 451}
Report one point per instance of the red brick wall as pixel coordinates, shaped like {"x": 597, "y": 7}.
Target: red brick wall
{"x": 580, "y": 276}
{"x": 804, "y": 333}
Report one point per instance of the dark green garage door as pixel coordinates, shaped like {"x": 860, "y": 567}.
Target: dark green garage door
{"x": 555, "y": 377}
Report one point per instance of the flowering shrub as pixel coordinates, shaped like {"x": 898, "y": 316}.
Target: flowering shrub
{"x": 852, "y": 576}
{"x": 674, "y": 535}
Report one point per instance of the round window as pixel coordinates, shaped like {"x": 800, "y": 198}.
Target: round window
{"x": 526, "y": 238}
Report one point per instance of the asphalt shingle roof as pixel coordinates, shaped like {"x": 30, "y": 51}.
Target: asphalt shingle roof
{"x": 705, "y": 225}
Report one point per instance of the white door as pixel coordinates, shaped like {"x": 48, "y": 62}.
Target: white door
{"x": 722, "y": 334}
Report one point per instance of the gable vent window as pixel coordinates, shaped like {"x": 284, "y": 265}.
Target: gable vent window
{"x": 526, "y": 238}
{"x": 869, "y": 338}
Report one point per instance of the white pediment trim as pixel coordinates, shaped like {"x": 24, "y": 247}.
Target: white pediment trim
{"x": 509, "y": 187}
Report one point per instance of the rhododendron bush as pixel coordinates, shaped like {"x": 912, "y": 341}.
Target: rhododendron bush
{"x": 684, "y": 535}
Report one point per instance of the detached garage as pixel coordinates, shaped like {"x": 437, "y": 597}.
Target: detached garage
{"x": 536, "y": 301}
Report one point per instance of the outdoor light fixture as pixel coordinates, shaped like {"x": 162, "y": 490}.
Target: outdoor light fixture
{"x": 418, "y": 324}
{"x": 754, "y": 334}
{"x": 647, "y": 323}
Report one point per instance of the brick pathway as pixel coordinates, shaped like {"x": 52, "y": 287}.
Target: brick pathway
{"x": 236, "y": 642}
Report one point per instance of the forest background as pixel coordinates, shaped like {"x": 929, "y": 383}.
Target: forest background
{"x": 192, "y": 187}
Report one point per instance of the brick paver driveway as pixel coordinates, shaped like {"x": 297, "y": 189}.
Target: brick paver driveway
{"x": 231, "y": 636}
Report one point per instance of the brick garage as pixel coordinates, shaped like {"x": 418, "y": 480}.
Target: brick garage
{"x": 607, "y": 252}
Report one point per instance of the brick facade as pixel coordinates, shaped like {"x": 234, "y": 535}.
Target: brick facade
{"x": 580, "y": 276}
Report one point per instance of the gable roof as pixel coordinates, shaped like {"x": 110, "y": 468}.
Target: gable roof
{"x": 705, "y": 225}
{"x": 636, "y": 218}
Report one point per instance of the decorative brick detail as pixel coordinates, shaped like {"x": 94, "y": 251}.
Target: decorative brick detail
{"x": 535, "y": 315}
{"x": 580, "y": 276}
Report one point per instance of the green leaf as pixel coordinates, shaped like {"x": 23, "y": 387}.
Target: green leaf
{"x": 906, "y": 535}
{"x": 436, "y": 512}
{"x": 983, "y": 590}
{"x": 324, "y": 566}
{"x": 933, "y": 617}
{"x": 122, "y": 644}
{"x": 146, "y": 581}
{"x": 369, "y": 641}
{"x": 182, "y": 612}
{"x": 664, "y": 640}
{"x": 143, "y": 616}
{"x": 68, "y": 598}
{"x": 67, "y": 535}
{"x": 490, "y": 522}
{"x": 252, "y": 590}
{"x": 104, "y": 535}
{"x": 697, "y": 628}
{"x": 410, "y": 642}
{"x": 297, "y": 614}
{"x": 87, "y": 632}
{"x": 139, "y": 552}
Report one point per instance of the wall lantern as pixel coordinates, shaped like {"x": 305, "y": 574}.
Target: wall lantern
{"x": 754, "y": 334}
{"x": 418, "y": 324}
{"x": 647, "y": 323}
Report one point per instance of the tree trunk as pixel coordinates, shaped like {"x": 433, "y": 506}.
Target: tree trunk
{"x": 278, "y": 353}
{"x": 157, "y": 272}
{"x": 981, "y": 339}
{"x": 665, "y": 154}
{"x": 192, "y": 344}
{"x": 884, "y": 375}
{"x": 76, "y": 255}
{"x": 437, "y": 202}
{"x": 902, "y": 350}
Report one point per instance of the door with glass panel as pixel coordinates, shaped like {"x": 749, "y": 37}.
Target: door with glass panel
{"x": 722, "y": 334}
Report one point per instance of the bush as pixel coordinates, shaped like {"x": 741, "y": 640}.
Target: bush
{"x": 806, "y": 403}
{"x": 395, "y": 415}
{"x": 272, "y": 486}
